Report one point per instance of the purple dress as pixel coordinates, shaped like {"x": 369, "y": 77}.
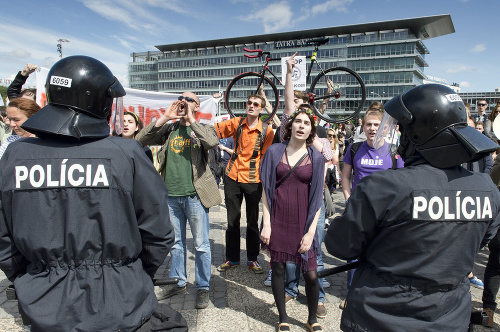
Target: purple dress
{"x": 289, "y": 214}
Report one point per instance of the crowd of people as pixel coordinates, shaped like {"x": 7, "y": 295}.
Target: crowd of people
{"x": 395, "y": 170}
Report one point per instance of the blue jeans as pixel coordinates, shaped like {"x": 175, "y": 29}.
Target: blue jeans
{"x": 182, "y": 209}
{"x": 293, "y": 271}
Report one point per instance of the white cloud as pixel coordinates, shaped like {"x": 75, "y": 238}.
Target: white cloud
{"x": 459, "y": 69}
{"x": 275, "y": 17}
{"x": 465, "y": 84}
{"x": 478, "y": 48}
{"x": 19, "y": 53}
{"x": 139, "y": 15}
{"x": 337, "y": 5}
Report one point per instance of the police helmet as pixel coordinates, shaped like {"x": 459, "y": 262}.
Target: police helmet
{"x": 80, "y": 92}
{"x": 434, "y": 123}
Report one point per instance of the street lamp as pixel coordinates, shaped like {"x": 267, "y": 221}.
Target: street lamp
{"x": 374, "y": 93}
{"x": 59, "y": 46}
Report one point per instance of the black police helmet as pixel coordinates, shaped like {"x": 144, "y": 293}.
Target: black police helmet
{"x": 434, "y": 121}
{"x": 80, "y": 92}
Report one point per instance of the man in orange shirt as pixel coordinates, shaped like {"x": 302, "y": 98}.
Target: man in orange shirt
{"x": 251, "y": 140}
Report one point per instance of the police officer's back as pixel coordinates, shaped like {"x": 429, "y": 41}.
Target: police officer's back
{"x": 84, "y": 223}
{"x": 416, "y": 230}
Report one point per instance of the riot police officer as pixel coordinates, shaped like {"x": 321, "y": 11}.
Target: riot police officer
{"x": 84, "y": 217}
{"x": 417, "y": 229}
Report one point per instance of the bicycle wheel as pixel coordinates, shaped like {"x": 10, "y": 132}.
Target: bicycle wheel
{"x": 346, "y": 99}
{"x": 244, "y": 85}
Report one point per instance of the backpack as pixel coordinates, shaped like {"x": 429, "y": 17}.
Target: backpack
{"x": 355, "y": 147}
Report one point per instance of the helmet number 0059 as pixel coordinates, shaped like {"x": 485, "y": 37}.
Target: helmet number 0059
{"x": 62, "y": 81}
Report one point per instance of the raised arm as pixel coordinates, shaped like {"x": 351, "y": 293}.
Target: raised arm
{"x": 289, "y": 96}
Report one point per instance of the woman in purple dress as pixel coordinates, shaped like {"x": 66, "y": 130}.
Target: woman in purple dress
{"x": 291, "y": 202}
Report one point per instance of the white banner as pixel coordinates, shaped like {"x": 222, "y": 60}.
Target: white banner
{"x": 299, "y": 72}
{"x": 148, "y": 105}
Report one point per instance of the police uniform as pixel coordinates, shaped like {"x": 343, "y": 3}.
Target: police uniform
{"x": 415, "y": 247}
{"x": 82, "y": 224}
{"x": 84, "y": 221}
{"x": 416, "y": 230}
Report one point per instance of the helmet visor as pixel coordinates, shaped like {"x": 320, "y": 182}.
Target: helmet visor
{"x": 117, "y": 115}
{"x": 387, "y": 137}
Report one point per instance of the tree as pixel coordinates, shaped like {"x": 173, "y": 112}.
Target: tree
{"x": 3, "y": 92}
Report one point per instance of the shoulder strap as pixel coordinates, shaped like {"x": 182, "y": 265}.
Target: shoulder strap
{"x": 354, "y": 150}
{"x": 236, "y": 143}
{"x": 263, "y": 135}
{"x": 238, "y": 134}
{"x": 291, "y": 170}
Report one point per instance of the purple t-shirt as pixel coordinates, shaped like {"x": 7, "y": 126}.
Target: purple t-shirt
{"x": 368, "y": 160}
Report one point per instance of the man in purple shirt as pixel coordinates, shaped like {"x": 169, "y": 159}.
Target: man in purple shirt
{"x": 366, "y": 161}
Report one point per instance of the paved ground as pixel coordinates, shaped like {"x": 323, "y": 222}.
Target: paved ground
{"x": 239, "y": 301}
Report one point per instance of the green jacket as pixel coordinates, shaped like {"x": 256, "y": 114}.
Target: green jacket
{"x": 203, "y": 139}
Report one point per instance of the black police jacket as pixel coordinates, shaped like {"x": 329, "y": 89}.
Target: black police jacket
{"x": 84, "y": 226}
{"x": 416, "y": 231}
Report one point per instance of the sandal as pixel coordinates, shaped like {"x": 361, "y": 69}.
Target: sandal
{"x": 284, "y": 327}
{"x": 315, "y": 327}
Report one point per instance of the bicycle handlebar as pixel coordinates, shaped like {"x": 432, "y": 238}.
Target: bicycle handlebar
{"x": 253, "y": 51}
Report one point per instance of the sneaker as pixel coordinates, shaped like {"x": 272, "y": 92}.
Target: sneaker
{"x": 202, "y": 299}
{"x": 321, "y": 313}
{"x": 227, "y": 265}
{"x": 343, "y": 304}
{"x": 326, "y": 284}
{"x": 255, "y": 267}
{"x": 267, "y": 282}
{"x": 168, "y": 291}
{"x": 476, "y": 282}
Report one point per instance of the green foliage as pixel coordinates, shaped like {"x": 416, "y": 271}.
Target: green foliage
{"x": 3, "y": 92}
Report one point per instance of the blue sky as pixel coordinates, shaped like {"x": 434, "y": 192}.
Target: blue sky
{"x": 111, "y": 30}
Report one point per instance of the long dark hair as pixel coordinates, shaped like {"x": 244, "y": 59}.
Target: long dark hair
{"x": 306, "y": 109}
{"x": 138, "y": 123}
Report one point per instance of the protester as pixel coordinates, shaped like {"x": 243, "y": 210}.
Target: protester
{"x": 132, "y": 125}
{"x": 363, "y": 159}
{"x": 251, "y": 137}
{"x": 82, "y": 237}
{"x": 192, "y": 189}
{"x": 5, "y": 130}
{"x": 492, "y": 270}
{"x": 18, "y": 111}
{"x": 15, "y": 88}
{"x": 414, "y": 257}
{"x": 293, "y": 101}
{"x": 292, "y": 174}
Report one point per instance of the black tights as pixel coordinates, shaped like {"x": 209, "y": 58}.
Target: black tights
{"x": 278, "y": 287}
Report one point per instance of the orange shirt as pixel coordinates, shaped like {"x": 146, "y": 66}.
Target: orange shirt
{"x": 245, "y": 168}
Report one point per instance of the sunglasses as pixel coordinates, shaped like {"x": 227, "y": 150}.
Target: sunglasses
{"x": 331, "y": 135}
{"x": 188, "y": 99}
{"x": 482, "y": 104}
{"x": 254, "y": 103}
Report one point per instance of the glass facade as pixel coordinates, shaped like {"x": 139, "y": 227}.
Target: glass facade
{"x": 390, "y": 62}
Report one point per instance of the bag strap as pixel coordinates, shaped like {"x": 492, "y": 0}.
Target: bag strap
{"x": 291, "y": 170}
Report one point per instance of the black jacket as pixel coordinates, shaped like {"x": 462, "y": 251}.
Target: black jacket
{"x": 84, "y": 226}
{"x": 415, "y": 248}
{"x": 14, "y": 89}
